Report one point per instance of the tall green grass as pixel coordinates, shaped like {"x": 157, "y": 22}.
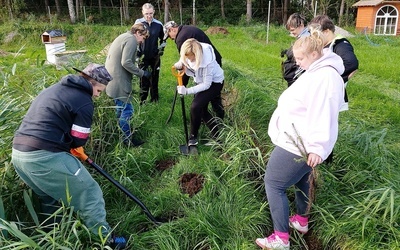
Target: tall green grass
{"x": 357, "y": 198}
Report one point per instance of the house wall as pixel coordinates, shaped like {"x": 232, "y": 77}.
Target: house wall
{"x": 366, "y": 17}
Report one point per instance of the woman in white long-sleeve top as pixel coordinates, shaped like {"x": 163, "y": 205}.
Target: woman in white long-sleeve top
{"x": 304, "y": 129}
{"x": 198, "y": 61}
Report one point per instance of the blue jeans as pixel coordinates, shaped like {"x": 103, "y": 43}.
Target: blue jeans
{"x": 285, "y": 169}
{"x": 58, "y": 177}
{"x": 124, "y": 111}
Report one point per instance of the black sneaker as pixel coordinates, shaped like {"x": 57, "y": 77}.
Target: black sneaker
{"x": 117, "y": 242}
{"x": 193, "y": 142}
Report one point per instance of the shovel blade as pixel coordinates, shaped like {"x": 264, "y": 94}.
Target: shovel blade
{"x": 188, "y": 150}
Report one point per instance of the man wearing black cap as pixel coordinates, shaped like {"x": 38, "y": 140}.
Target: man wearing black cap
{"x": 58, "y": 120}
{"x": 180, "y": 33}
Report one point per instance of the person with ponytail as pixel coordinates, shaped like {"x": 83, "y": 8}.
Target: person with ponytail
{"x": 304, "y": 130}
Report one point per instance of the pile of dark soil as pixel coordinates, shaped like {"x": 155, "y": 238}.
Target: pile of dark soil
{"x": 191, "y": 183}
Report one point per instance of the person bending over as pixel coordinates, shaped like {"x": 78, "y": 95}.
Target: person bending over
{"x": 198, "y": 61}
{"x": 59, "y": 120}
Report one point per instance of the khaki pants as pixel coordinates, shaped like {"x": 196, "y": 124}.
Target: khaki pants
{"x": 54, "y": 175}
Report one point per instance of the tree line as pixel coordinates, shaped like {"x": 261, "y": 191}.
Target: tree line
{"x": 194, "y": 12}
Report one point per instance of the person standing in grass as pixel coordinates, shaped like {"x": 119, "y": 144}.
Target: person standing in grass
{"x": 297, "y": 26}
{"x": 180, "y": 33}
{"x": 341, "y": 46}
{"x": 120, "y": 63}
{"x": 198, "y": 61}
{"x": 153, "y": 49}
{"x": 304, "y": 130}
{"x": 58, "y": 120}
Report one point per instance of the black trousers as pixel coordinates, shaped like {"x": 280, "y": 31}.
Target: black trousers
{"x": 216, "y": 102}
{"x": 150, "y": 85}
{"x": 199, "y": 110}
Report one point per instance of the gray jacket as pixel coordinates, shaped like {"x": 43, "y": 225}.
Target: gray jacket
{"x": 120, "y": 63}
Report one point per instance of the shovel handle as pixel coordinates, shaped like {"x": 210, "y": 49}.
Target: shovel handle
{"x": 178, "y": 74}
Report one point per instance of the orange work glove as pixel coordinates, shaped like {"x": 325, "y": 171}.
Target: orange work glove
{"x": 79, "y": 153}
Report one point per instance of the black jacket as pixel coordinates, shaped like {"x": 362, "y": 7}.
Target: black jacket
{"x": 344, "y": 49}
{"x": 188, "y": 31}
{"x": 150, "y": 46}
{"x": 59, "y": 118}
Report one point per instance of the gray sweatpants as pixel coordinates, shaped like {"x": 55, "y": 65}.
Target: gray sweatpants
{"x": 285, "y": 169}
{"x": 52, "y": 175}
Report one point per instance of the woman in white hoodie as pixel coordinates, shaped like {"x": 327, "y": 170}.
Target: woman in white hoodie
{"x": 198, "y": 61}
{"x": 304, "y": 129}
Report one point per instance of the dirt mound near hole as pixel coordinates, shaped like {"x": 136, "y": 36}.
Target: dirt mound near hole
{"x": 217, "y": 30}
{"x": 191, "y": 183}
{"x": 165, "y": 164}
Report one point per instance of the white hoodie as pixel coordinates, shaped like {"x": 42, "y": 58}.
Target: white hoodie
{"x": 208, "y": 72}
{"x": 310, "y": 106}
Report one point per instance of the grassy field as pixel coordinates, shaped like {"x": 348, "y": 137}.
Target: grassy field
{"x": 357, "y": 199}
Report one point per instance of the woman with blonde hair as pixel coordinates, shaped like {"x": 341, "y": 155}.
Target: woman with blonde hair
{"x": 198, "y": 61}
{"x": 304, "y": 129}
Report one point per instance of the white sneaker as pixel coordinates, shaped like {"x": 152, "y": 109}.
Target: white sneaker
{"x": 273, "y": 242}
{"x": 294, "y": 223}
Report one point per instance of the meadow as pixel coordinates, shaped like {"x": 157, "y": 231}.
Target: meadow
{"x": 357, "y": 196}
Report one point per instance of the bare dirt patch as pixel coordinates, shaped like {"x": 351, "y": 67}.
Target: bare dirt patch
{"x": 165, "y": 164}
{"x": 217, "y": 30}
{"x": 191, "y": 183}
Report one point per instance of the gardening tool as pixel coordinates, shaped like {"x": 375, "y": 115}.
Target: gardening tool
{"x": 79, "y": 153}
{"x": 185, "y": 149}
{"x": 173, "y": 107}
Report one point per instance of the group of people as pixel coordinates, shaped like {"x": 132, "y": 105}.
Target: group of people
{"x": 49, "y": 142}
{"x": 303, "y": 128}
{"x": 147, "y": 39}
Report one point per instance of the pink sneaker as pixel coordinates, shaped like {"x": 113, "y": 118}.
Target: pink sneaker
{"x": 295, "y": 223}
{"x": 273, "y": 242}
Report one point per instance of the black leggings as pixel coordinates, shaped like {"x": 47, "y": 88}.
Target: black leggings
{"x": 199, "y": 109}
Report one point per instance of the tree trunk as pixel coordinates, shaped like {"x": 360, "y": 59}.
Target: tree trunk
{"x": 71, "y": 11}
{"x": 285, "y": 9}
{"x": 180, "y": 12}
{"x": 77, "y": 9}
{"x": 10, "y": 9}
{"x": 100, "y": 9}
{"x": 222, "y": 10}
{"x": 125, "y": 9}
{"x": 341, "y": 11}
{"x": 194, "y": 13}
{"x": 166, "y": 11}
{"x": 58, "y": 8}
{"x": 46, "y": 5}
{"x": 248, "y": 11}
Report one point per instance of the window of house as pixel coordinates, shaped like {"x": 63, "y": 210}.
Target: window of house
{"x": 386, "y": 20}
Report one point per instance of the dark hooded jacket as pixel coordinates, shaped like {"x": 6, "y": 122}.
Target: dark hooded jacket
{"x": 188, "y": 31}
{"x": 59, "y": 118}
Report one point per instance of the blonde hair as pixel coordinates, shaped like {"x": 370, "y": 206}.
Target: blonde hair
{"x": 308, "y": 44}
{"x": 192, "y": 46}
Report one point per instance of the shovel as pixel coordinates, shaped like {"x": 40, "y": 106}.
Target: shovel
{"x": 79, "y": 153}
{"x": 184, "y": 149}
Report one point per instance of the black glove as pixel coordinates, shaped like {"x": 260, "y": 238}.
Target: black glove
{"x": 160, "y": 52}
{"x": 146, "y": 74}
